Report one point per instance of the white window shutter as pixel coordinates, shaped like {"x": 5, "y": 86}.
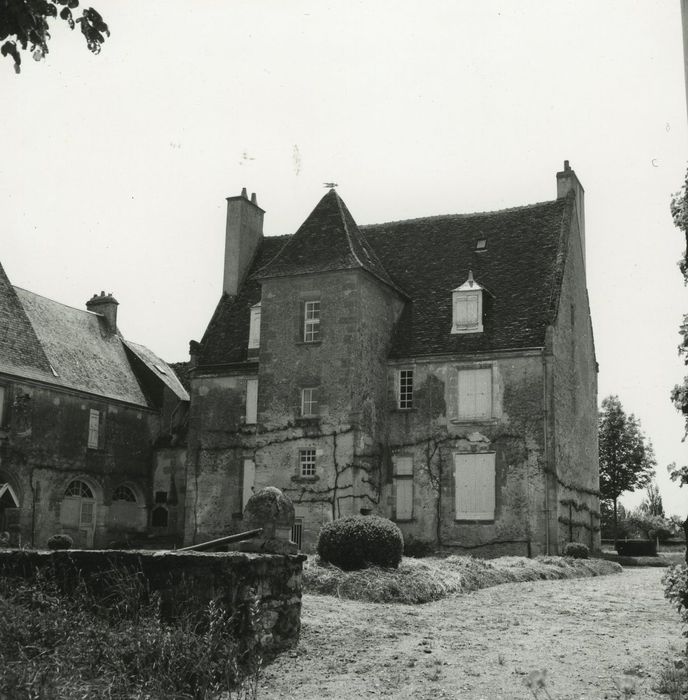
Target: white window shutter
{"x": 466, "y": 394}
{"x": 93, "y": 428}
{"x": 249, "y": 481}
{"x": 254, "y": 329}
{"x": 403, "y": 466}
{"x": 404, "y": 499}
{"x": 251, "y": 401}
{"x": 483, "y": 393}
{"x": 474, "y": 480}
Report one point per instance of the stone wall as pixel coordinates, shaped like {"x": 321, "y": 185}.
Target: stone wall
{"x": 186, "y": 581}
{"x": 574, "y": 378}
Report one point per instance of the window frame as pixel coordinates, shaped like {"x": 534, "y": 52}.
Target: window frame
{"x": 488, "y": 482}
{"x": 402, "y": 482}
{"x": 94, "y": 426}
{"x": 475, "y": 416}
{"x": 308, "y": 461}
{"x": 311, "y": 321}
{"x": 121, "y": 488}
{"x": 405, "y": 389}
{"x": 312, "y": 402}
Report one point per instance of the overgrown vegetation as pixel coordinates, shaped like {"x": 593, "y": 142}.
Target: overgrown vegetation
{"x": 576, "y": 550}
{"x": 75, "y": 646}
{"x": 433, "y": 578}
{"x": 60, "y": 542}
{"x": 358, "y": 541}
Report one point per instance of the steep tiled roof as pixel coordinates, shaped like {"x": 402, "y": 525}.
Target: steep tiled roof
{"x": 84, "y": 356}
{"x": 19, "y": 346}
{"x": 160, "y": 368}
{"x": 328, "y": 240}
{"x": 226, "y": 337}
{"x": 520, "y": 267}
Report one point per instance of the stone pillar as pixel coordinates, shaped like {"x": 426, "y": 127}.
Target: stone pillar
{"x": 271, "y": 510}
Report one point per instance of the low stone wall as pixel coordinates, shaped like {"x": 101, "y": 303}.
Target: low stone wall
{"x": 186, "y": 582}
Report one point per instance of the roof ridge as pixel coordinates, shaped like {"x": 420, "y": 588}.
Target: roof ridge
{"x": 338, "y": 199}
{"x": 54, "y": 301}
{"x": 436, "y": 217}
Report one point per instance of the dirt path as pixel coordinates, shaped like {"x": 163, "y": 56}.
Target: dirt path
{"x": 591, "y": 635}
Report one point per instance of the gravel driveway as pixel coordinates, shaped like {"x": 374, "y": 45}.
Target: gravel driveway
{"x": 591, "y": 636}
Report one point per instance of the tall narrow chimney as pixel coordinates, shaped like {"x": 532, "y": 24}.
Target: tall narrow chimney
{"x": 243, "y": 233}
{"x": 105, "y": 305}
{"x": 567, "y": 182}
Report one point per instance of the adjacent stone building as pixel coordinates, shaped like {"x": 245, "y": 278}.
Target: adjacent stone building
{"x": 92, "y": 427}
{"x": 438, "y": 371}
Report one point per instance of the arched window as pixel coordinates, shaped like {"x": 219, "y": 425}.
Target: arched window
{"x": 79, "y": 489}
{"x": 124, "y": 493}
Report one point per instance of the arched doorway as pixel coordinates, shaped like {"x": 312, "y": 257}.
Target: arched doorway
{"x": 9, "y": 506}
{"x": 78, "y": 513}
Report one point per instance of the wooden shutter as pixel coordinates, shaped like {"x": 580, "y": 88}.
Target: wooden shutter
{"x": 475, "y": 393}
{"x": 70, "y": 511}
{"x": 251, "y": 401}
{"x": 254, "y": 329}
{"x": 474, "y": 479}
{"x": 93, "y": 428}
{"x": 404, "y": 498}
{"x": 403, "y": 466}
{"x": 249, "y": 481}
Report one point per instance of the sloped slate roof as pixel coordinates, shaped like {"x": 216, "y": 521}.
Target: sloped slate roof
{"x": 226, "y": 337}
{"x": 19, "y": 346}
{"x": 80, "y": 351}
{"x": 155, "y": 364}
{"x": 328, "y": 240}
{"x": 427, "y": 258}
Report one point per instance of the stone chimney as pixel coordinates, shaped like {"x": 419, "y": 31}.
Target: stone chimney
{"x": 567, "y": 182}
{"x": 243, "y": 233}
{"x": 106, "y": 305}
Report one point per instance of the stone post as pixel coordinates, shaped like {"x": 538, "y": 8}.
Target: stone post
{"x": 272, "y": 511}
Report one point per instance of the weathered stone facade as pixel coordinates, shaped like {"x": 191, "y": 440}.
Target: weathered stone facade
{"x": 330, "y": 426}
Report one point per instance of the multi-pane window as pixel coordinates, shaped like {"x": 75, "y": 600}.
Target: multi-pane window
{"x": 311, "y": 321}
{"x": 475, "y": 394}
{"x": 403, "y": 487}
{"x": 254, "y": 328}
{"x": 474, "y": 481}
{"x": 307, "y": 462}
{"x": 93, "y": 429}
{"x": 251, "y": 401}
{"x": 79, "y": 489}
{"x": 124, "y": 493}
{"x": 309, "y": 402}
{"x": 405, "y": 388}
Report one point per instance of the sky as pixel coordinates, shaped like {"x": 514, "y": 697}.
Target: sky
{"x": 114, "y": 168}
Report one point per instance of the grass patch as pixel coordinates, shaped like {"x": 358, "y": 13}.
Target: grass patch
{"x": 433, "y": 578}
{"x": 56, "y": 645}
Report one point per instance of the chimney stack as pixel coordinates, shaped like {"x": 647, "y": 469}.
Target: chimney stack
{"x": 568, "y": 182}
{"x": 105, "y": 305}
{"x": 243, "y": 233}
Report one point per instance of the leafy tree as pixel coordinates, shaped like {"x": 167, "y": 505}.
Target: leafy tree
{"x": 679, "y": 213}
{"x": 24, "y": 26}
{"x": 653, "y": 505}
{"x": 626, "y": 459}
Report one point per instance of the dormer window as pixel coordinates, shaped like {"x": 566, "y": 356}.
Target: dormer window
{"x": 467, "y": 307}
{"x": 254, "y": 328}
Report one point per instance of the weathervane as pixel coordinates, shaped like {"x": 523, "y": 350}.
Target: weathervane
{"x": 330, "y": 185}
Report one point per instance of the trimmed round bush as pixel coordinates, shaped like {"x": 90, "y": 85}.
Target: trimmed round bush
{"x": 576, "y": 550}
{"x": 361, "y": 541}
{"x": 60, "y": 542}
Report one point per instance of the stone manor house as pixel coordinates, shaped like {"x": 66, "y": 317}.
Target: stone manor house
{"x": 438, "y": 371}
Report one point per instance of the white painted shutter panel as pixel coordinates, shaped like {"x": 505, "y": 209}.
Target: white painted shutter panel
{"x": 251, "y": 400}
{"x": 403, "y": 466}
{"x": 475, "y": 486}
{"x": 249, "y": 481}
{"x": 483, "y": 393}
{"x": 93, "y": 428}
{"x": 466, "y": 394}
{"x": 404, "y": 498}
{"x": 70, "y": 512}
{"x": 254, "y": 330}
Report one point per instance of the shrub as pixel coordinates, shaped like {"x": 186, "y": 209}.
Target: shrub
{"x": 61, "y": 541}
{"x": 359, "y": 541}
{"x": 636, "y": 548}
{"x": 577, "y": 550}
{"x": 675, "y": 582}
{"x": 418, "y": 549}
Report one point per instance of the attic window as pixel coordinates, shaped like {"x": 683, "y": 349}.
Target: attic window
{"x": 467, "y": 307}
{"x": 160, "y": 369}
{"x": 481, "y": 244}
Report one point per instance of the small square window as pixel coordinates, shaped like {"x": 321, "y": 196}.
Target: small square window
{"x": 309, "y": 402}
{"x": 405, "y": 388}
{"x": 481, "y": 244}
{"x": 307, "y": 462}
{"x": 311, "y": 322}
